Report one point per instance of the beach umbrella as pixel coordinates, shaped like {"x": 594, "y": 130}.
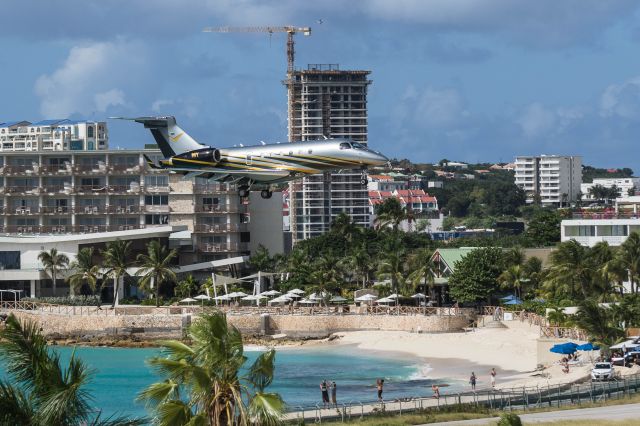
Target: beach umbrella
{"x": 296, "y": 291}
{"x": 315, "y": 296}
{"x": 188, "y": 300}
{"x": 336, "y": 299}
{"x": 394, "y": 296}
{"x": 202, "y": 297}
{"x": 419, "y": 296}
{"x": 307, "y": 302}
{"x": 366, "y": 298}
{"x": 271, "y": 293}
{"x": 564, "y": 348}
{"x": 294, "y": 295}
{"x": 237, "y": 294}
{"x": 222, "y": 297}
{"x": 588, "y": 347}
{"x": 386, "y": 300}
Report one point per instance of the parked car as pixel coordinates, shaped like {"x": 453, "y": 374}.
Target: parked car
{"x": 602, "y": 371}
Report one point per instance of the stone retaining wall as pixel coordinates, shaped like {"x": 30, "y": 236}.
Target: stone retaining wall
{"x": 300, "y": 326}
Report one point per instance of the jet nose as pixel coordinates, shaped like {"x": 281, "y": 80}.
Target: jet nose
{"x": 378, "y": 158}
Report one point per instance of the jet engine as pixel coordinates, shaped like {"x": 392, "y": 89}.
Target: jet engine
{"x": 209, "y": 155}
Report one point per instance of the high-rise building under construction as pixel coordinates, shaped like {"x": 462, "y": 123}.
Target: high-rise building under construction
{"x": 324, "y": 102}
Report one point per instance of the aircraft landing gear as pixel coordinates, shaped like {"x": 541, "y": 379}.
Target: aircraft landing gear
{"x": 243, "y": 191}
{"x": 266, "y": 193}
{"x": 364, "y": 180}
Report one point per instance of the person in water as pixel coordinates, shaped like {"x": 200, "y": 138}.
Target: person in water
{"x": 325, "y": 393}
{"x": 380, "y": 385}
{"x": 333, "y": 394}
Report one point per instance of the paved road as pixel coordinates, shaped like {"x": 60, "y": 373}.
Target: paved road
{"x": 612, "y": 412}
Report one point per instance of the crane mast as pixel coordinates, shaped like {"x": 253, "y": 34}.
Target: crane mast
{"x": 289, "y": 29}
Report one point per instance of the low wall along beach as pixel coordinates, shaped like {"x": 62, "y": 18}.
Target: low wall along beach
{"x": 298, "y": 326}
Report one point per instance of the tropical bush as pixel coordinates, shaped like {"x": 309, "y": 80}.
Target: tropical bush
{"x": 66, "y": 300}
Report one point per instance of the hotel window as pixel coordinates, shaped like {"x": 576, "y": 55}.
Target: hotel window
{"x": 208, "y": 201}
{"x": 156, "y": 219}
{"x": 9, "y": 260}
{"x": 156, "y": 200}
{"x": 155, "y": 180}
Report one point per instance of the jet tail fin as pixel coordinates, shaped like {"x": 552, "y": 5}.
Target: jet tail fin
{"x": 171, "y": 139}
{"x": 150, "y": 162}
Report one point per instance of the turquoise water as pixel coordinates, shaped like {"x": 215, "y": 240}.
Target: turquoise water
{"x": 122, "y": 373}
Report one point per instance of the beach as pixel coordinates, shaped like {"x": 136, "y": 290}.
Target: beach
{"x": 511, "y": 351}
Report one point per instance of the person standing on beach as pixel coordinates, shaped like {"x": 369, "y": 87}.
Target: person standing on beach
{"x": 333, "y": 394}
{"x": 325, "y": 393}
{"x": 436, "y": 391}
{"x": 493, "y": 377}
{"x": 379, "y": 385}
{"x": 472, "y": 380}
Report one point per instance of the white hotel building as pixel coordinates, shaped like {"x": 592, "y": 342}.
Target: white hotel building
{"x": 554, "y": 180}
{"x": 60, "y": 183}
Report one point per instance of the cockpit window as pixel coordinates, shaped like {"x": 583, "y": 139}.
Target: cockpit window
{"x": 357, "y": 145}
{"x": 345, "y": 145}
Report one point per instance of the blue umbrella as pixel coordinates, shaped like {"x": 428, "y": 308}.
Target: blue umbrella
{"x": 588, "y": 347}
{"x": 509, "y": 297}
{"x": 564, "y": 348}
{"x": 514, "y": 301}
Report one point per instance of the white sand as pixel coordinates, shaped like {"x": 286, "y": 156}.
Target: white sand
{"x": 511, "y": 351}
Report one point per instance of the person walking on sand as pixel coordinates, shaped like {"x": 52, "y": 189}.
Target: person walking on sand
{"x": 379, "y": 385}
{"x": 472, "y": 380}
{"x": 333, "y": 394}
{"x": 493, "y": 377}
{"x": 325, "y": 393}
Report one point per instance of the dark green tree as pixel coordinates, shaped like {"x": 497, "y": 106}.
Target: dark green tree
{"x": 475, "y": 277}
{"x": 544, "y": 228}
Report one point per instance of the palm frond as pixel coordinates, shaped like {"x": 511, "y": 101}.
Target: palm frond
{"x": 266, "y": 409}
{"x": 159, "y": 392}
{"x": 173, "y": 413}
{"x": 15, "y": 407}
{"x": 262, "y": 369}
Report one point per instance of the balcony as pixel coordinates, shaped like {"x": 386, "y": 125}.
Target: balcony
{"x": 216, "y": 208}
{"x": 56, "y": 169}
{"x": 55, "y": 210}
{"x": 86, "y": 169}
{"x": 23, "y": 211}
{"x": 57, "y": 189}
{"x": 129, "y": 209}
{"x": 12, "y": 170}
{"x": 210, "y": 189}
{"x": 220, "y": 247}
{"x": 21, "y": 190}
{"x": 66, "y": 229}
{"x": 153, "y": 189}
{"x": 91, "y": 189}
{"x": 218, "y": 228}
{"x": 157, "y": 209}
{"x": 121, "y": 169}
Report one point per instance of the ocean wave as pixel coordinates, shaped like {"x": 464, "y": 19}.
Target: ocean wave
{"x": 421, "y": 372}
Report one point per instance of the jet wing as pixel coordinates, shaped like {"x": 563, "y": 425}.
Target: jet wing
{"x": 226, "y": 174}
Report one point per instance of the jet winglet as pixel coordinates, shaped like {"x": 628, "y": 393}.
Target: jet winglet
{"x": 150, "y": 162}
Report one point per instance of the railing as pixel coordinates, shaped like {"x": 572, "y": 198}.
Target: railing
{"x": 522, "y": 398}
{"x": 67, "y": 229}
{"x": 605, "y": 215}
{"x": 55, "y": 169}
{"x": 21, "y": 189}
{"x": 124, "y": 169}
{"x": 563, "y": 333}
{"x": 415, "y": 310}
{"x": 57, "y": 188}
{"x": 19, "y": 170}
{"x": 130, "y": 209}
{"x": 210, "y": 189}
{"x": 217, "y": 228}
{"x": 155, "y": 188}
{"x": 219, "y": 247}
{"x": 520, "y": 315}
{"x": 22, "y": 211}
{"x": 216, "y": 208}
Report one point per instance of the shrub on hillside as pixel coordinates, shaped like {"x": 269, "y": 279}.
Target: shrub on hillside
{"x": 68, "y": 301}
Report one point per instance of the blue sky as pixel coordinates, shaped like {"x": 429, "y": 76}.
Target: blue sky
{"x": 471, "y": 80}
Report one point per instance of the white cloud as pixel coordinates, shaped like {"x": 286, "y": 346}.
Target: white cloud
{"x": 90, "y": 79}
{"x": 104, "y": 100}
{"x": 622, "y": 100}
{"x": 536, "y": 120}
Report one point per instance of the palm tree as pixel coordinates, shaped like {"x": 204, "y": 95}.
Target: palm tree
{"x": 53, "y": 263}
{"x": 629, "y": 257}
{"x": 513, "y": 277}
{"x": 155, "y": 267}
{"x": 571, "y": 270}
{"x": 117, "y": 258}
{"x": 422, "y": 269}
{"x": 40, "y": 391}
{"x": 599, "y": 322}
{"x": 359, "y": 262}
{"x": 392, "y": 267}
{"x": 390, "y": 212}
{"x": 205, "y": 383}
{"x": 85, "y": 272}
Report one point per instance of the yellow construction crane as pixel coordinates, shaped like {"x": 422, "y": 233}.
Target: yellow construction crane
{"x": 289, "y": 29}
